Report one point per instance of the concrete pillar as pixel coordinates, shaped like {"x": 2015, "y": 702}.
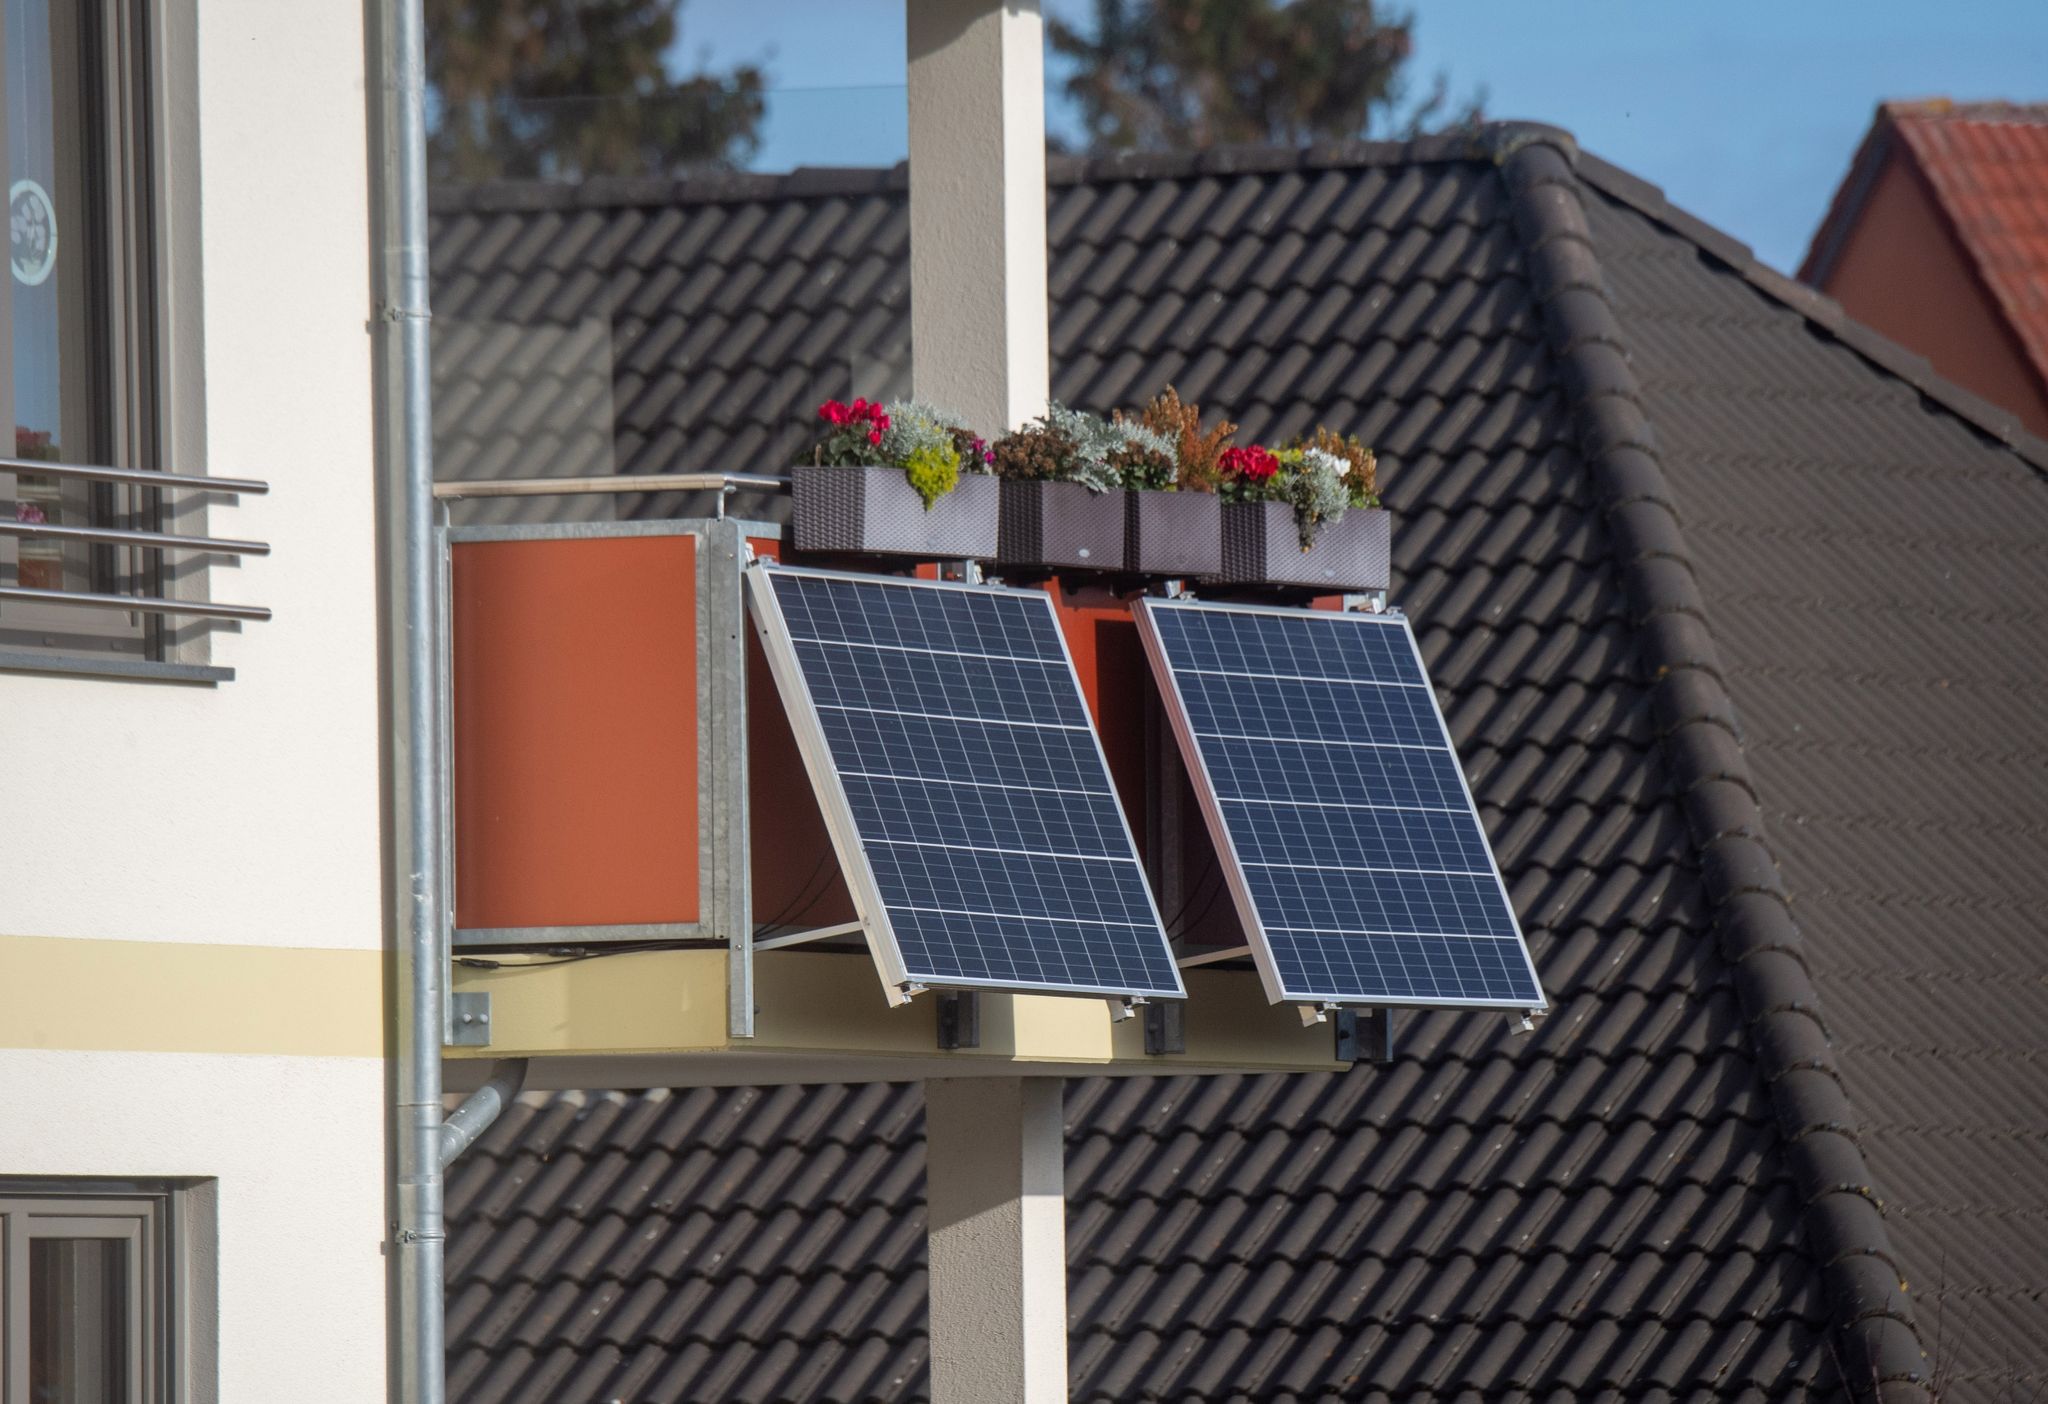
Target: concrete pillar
{"x": 978, "y": 320}
{"x": 995, "y": 1193}
{"x": 995, "y": 1148}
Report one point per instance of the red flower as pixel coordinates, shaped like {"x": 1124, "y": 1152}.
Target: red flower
{"x": 1253, "y": 464}
{"x": 860, "y": 412}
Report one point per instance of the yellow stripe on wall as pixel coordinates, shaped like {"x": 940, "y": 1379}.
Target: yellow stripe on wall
{"x": 184, "y": 997}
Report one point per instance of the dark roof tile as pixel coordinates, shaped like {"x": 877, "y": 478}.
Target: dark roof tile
{"x": 1620, "y": 1207}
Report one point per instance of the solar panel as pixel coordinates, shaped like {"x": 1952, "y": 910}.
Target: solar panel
{"x": 973, "y": 812}
{"x": 1348, "y": 837}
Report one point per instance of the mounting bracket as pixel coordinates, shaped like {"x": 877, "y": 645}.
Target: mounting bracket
{"x": 469, "y": 1019}
{"x": 959, "y": 1019}
{"x": 1166, "y": 1028}
{"x": 1313, "y": 1014}
{"x": 1365, "y": 1036}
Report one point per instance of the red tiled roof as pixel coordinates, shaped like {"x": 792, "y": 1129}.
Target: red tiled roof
{"x": 1987, "y": 163}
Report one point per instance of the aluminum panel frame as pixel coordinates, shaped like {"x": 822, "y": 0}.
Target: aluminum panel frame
{"x": 897, "y": 983}
{"x": 1226, "y": 846}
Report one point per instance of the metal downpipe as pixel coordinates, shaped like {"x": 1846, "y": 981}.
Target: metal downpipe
{"x": 414, "y": 661}
{"x": 480, "y": 1108}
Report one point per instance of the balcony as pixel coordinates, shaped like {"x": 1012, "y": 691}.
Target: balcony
{"x": 645, "y": 882}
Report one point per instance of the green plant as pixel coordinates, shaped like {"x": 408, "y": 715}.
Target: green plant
{"x": 1311, "y": 480}
{"x": 912, "y": 426}
{"x": 933, "y": 472}
{"x": 920, "y": 441}
{"x": 1070, "y": 445}
{"x": 1146, "y": 458}
{"x": 924, "y": 442}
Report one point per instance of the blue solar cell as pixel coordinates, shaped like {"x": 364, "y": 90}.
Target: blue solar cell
{"x": 1356, "y": 856}
{"x": 989, "y": 832}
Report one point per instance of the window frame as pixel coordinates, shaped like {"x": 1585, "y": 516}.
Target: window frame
{"x": 155, "y": 348}
{"x": 164, "y": 1225}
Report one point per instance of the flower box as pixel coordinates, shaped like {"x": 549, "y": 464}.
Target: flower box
{"x": 877, "y": 511}
{"x": 1063, "y": 526}
{"x": 1262, "y": 546}
{"x": 1173, "y": 533}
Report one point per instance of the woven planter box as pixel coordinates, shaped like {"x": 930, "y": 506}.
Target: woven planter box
{"x": 1173, "y": 533}
{"x": 876, "y": 511}
{"x": 1262, "y": 546}
{"x": 1063, "y": 526}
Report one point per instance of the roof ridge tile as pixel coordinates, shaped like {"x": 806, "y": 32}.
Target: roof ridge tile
{"x": 1875, "y": 1330}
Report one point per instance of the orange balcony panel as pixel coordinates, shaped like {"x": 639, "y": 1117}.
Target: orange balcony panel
{"x": 575, "y": 732}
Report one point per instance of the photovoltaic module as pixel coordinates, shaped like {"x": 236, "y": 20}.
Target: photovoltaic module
{"x": 945, "y": 732}
{"x": 1349, "y": 839}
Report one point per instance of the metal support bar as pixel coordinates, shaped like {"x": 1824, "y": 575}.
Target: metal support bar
{"x": 134, "y": 477}
{"x": 820, "y": 933}
{"x": 959, "y": 1019}
{"x": 1211, "y": 957}
{"x": 145, "y": 540}
{"x": 141, "y": 604}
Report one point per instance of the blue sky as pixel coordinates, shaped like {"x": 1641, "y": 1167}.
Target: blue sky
{"x": 1745, "y": 112}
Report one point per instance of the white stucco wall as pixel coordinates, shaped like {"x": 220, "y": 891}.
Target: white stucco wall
{"x": 244, "y": 813}
{"x": 296, "y": 1146}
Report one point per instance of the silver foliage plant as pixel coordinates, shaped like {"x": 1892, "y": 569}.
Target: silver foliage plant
{"x": 1314, "y": 485}
{"x": 1095, "y": 444}
{"x": 913, "y": 426}
{"x": 1100, "y": 445}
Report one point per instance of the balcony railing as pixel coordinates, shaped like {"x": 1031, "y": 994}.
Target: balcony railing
{"x": 641, "y": 482}
{"x": 158, "y": 541}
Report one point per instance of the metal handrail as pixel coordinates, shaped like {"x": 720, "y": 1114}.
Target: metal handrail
{"x": 144, "y": 540}
{"x": 640, "y": 482}
{"x": 134, "y": 477}
{"x": 139, "y": 540}
{"x": 140, "y": 604}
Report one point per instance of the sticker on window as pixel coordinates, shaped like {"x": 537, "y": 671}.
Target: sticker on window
{"x": 32, "y": 223}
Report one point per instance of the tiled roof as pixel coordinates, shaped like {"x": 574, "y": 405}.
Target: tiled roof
{"x": 1987, "y": 164}
{"x": 1736, "y": 614}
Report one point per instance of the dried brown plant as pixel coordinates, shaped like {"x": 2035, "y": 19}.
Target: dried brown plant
{"x": 1181, "y": 423}
{"x": 1033, "y": 452}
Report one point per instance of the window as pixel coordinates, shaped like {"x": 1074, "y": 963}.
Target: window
{"x": 79, "y": 324}
{"x": 92, "y": 1294}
